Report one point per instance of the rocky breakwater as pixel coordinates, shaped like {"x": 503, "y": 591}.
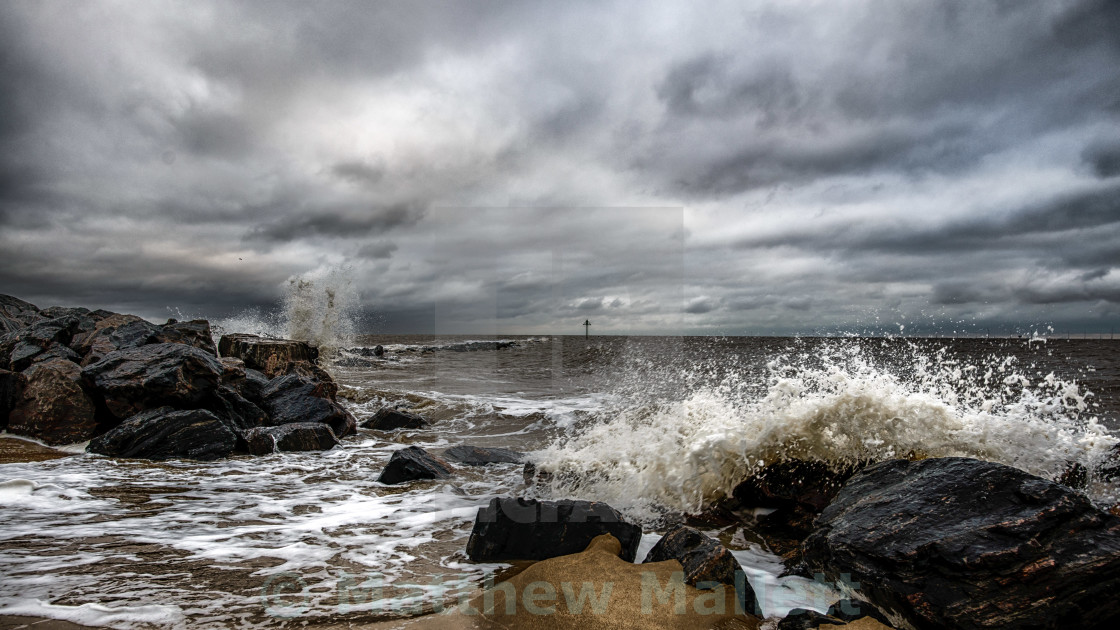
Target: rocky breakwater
{"x": 156, "y": 391}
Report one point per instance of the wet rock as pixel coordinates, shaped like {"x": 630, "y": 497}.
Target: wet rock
{"x": 294, "y": 398}
{"x": 151, "y": 376}
{"x": 413, "y": 463}
{"x": 796, "y": 491}
{"x": 193, "y": 333}
{"x": 19, "y": 348}
{"x": 12, "y": 385}
{"x": 54, "y": 408}
{"x": 481, "y": 456}
{"x": 962, "y": 543}
{"x": 326, "y": 385}
{"x": 16, "y": 314}
{"x": 301, "y": 436}
{"x": 389, "y": 419}
{"x": 233, "y": 371}
{"x": 240, "y": 414}
{"x": 527, "y": 529}
{"x": 848, "y": 610}
{"x": 167, "y": 433}
{"x": 705, "y": 561}
{"x": 266, "y": 355}
{"x": 804, "y": 619}
{"x": 112, "y": 333}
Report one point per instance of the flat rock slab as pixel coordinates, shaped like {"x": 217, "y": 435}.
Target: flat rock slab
{"x": 389, "y": 419}
{"x": 482, "y": 456}
{"x": 413, "y": 463}
{"x": 300, "y": 436}
{"x": 528, "y": 529}
{"x": 154, "y": 375}
{"x": 266, "y": 355}
{"x": 963, "y": 543}
{"x": 166, "y": 433}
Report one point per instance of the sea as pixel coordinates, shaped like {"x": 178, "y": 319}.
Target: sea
{"x": 658, "y": 427}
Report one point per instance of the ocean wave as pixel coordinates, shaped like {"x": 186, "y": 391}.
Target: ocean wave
{"x": 835, "y": 403}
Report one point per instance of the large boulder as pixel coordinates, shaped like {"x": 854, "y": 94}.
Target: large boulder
{"x": 260, "y": 353}
{"x": 154, "y": 375}
{"x": 705, "y": 561}
{"x": 795, "y": 491}
{"x": 18, "y": 349}
{"x": 12, "y": 385}
{"x": 294, "y": 398}
{"x": 528, "y": 529}
{"x": 482, "y": 456}
{"x": 112, "y": 333}
{"x": 411, "y": 464}
{"x": 54, "y": 408}
{"x": 193, "y": 333}
{"x": 963, "y": 543}
{"x": 390, "y": 419}
{"x": 167, "y": 433}
{"x": 301, "y": 436}
{"x": 240, "y": 414}
{"x": 16, "y": 314}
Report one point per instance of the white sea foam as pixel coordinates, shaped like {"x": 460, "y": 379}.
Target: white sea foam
{"x": 837, "y": 405}
{"x": 93, "y": 614}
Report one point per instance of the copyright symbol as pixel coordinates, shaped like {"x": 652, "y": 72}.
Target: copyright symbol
{"x": 284, "y": 595}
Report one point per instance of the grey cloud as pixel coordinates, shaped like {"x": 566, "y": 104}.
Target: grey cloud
{"x": 347, "y": 222}
{"x": 376, "y": 250}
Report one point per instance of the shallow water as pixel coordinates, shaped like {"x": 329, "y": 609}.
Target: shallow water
{"x": 649, "y": 424}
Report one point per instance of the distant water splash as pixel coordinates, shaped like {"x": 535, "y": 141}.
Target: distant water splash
{"x": 319, "y": 307}
{"x": 834, "y": 402}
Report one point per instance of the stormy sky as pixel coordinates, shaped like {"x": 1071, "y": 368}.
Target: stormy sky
{"x": 749, "y": 167}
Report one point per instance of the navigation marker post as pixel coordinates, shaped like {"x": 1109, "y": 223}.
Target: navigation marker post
{"x": 586, "y": 328}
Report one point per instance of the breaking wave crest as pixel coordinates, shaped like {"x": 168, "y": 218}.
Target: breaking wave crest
{"x": 836, "y": 403}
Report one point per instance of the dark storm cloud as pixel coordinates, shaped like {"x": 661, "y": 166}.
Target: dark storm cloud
{"x": 834, "y": 161}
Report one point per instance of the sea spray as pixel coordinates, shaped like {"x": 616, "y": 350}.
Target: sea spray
{"x": 319, "y": 307}
{"x": 836, "y": 401}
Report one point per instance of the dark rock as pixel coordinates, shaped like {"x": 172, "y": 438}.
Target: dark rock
{"x": 803, "y": 619}
{"x": 166, "y": 433}
{"x": 797, "y": 490}
{"x": 146, "y": 377}
{"x": 301, "y": 436}
{"x": 193, "y": 333}
{"x": 264, "y": 354}
{"x": 54, "y": 408}
{"x": 240, "y": 414}
{"x": 293, "y": 398}
{"x": 16, "y": 314}
{"x": 18, "y": 349}
{"x": 481, "y": 456}
{"x": 812, "y": 484}
{"x": 706, "y": 562}
{"x": 12, "y": 385}
{"x": 57, "y": 351}
{"x": 375, "y": 351}
{"x": 326, "y": 385}
{"x": 848, "y": 609}
{"x": 113, "y": 333}
{"x": 962, "y": 543}
{"x": 527, "y": 529}
{"x": 233, "y": 371}
{"x": 412, "y": 463}
{"x": 389, "y": 419}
